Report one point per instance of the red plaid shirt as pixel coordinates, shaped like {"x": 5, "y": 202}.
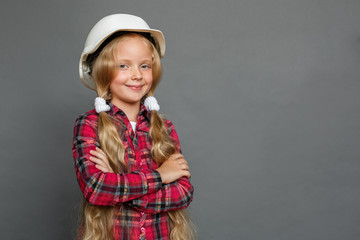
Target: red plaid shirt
{"x": 143, "y": 197}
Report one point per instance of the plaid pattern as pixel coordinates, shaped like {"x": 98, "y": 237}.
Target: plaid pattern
{"x": 140, "y": 198}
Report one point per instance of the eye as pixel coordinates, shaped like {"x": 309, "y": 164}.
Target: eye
{"x": 146, "y": 66}
{"x": 123, "y": 66}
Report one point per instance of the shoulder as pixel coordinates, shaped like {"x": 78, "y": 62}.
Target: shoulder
{"x": 85, "y": 130}
{"x": 172, "y": 133}
{"x": 169, "y": 125}
{"x": 88, "y": 119}
{"x": 170, "y": 128}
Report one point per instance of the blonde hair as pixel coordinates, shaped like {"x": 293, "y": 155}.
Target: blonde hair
{"x": 97, "y": 221}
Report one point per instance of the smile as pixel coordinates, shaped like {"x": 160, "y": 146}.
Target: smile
{"x": 134, "y": 87}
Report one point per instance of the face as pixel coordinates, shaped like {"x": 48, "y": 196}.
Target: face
{"x": 133, "y": 74}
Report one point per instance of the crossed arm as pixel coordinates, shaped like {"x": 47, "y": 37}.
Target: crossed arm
{"x": 151, "y": 190}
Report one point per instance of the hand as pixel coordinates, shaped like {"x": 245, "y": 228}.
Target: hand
{"x": 100, "y": 160}
{"x": 174, "y": 168}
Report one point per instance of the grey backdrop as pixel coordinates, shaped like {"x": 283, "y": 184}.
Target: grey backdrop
{"x": 263, "y": 93}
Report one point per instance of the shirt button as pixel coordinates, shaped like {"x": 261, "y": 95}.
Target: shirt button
{"x": 142, "y": 229}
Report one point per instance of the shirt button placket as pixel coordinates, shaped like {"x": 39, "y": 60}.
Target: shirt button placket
{"x": 142, "y": 233}
{"x": 142, "y": 228}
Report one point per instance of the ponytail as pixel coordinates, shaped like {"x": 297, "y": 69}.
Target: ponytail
{"x": 97, "y": 221}
{"x": 181, "y": 227}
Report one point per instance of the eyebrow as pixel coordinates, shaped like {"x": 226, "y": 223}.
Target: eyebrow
{"x": 128, "y": 60}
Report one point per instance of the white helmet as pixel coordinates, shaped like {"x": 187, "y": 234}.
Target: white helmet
{"x": 107, "y": 27}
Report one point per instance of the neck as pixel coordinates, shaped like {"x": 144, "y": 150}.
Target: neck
{"x": 130, "y": 109}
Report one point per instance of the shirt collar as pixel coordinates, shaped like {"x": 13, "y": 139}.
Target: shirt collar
{"x": 115, "y": 110}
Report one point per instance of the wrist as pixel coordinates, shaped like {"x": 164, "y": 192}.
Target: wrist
{"x": 161, "y": 174}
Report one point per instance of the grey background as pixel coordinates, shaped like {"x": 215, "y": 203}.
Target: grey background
{"x": 263, "y": 93}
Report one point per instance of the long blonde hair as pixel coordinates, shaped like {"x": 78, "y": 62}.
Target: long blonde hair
{"x": 97, "y": 221}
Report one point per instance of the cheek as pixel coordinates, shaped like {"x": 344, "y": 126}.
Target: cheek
{"x": 149, "y": 84}
{"x": 115, "y": 86}
{"x": 120, "y": 77}
{"x": 112, "y": 85}
{"x": 149, "y": 78}
{"x": 117, "y": 81}
{"x": 150, "y": 81}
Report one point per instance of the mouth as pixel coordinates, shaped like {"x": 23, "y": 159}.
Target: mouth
{"x": 135, "y": 87}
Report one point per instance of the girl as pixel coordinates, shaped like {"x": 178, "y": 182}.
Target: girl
{"x": 134, "y": 180}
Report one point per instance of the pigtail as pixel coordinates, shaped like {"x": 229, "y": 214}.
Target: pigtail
{"x": 97, "y": 221}
{"x": 111, "y": 143}
{"x": 181, "y": 227}
{"x": 162, "y": 145}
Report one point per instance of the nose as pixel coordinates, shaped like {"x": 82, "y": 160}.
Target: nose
{"x": 136, "y": 74}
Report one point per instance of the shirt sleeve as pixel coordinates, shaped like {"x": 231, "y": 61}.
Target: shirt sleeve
{"x": 172, "y": 196}
{"x": 107, "y": 189}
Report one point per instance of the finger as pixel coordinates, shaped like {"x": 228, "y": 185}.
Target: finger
{"x": 101, "y": 152}
{"x": 182, "y": 161}
{"x": 98, "y": 155}
{"x": 97, "y": 161}
{"x": 184, "y": 167}
{"x": 179, "y": 156}
{"x": 94, "y": 153}
{"x": 101, "y": 168}
{"x": 176, "y": 156}
{"x": 186, "y": 173}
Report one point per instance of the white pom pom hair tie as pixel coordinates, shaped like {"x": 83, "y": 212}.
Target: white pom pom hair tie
{"x": 100, "y": 105}
{"x": 151, "y": 104}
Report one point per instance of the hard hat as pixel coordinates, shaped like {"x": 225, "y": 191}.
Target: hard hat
{"x": 106, "y": 27}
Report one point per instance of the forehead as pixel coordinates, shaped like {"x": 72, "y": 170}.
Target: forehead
{"x": 133, "y": 46}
